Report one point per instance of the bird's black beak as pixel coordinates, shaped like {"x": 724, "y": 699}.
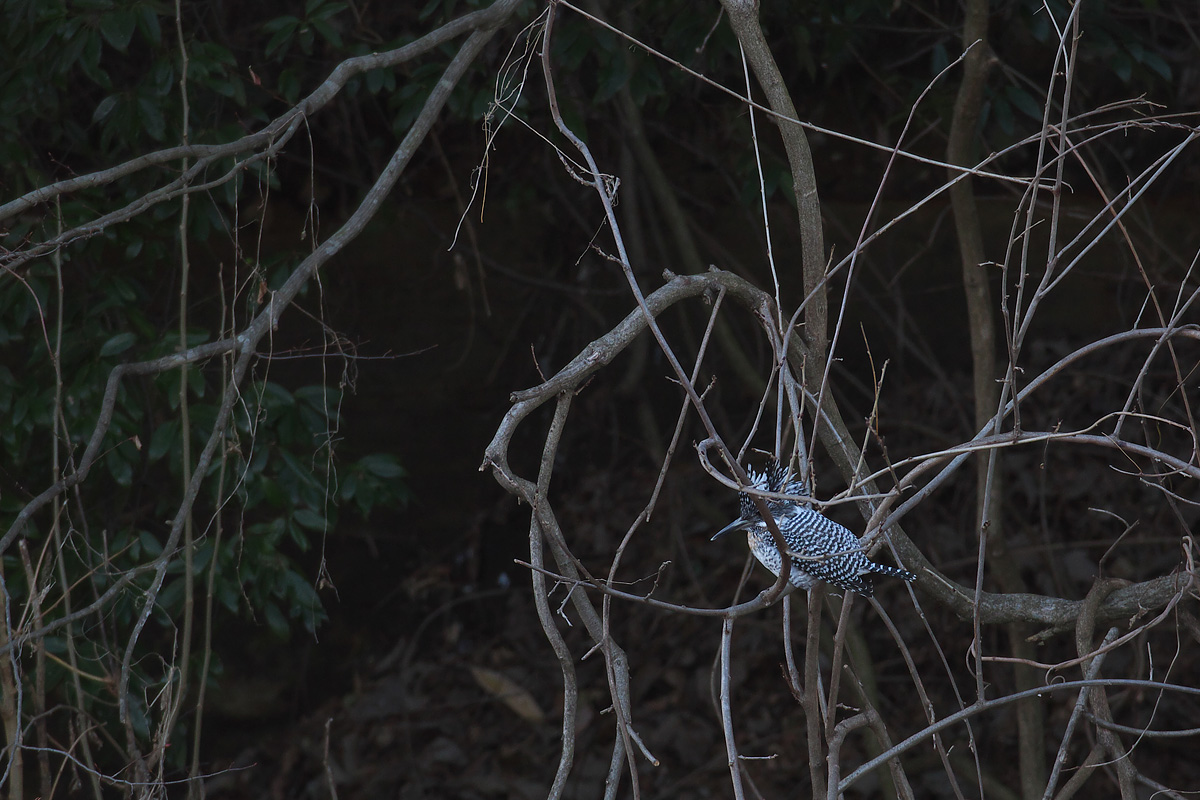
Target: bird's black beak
{"x": 737, "y": 525}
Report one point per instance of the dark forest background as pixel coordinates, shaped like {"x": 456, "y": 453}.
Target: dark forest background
{"x": 272, "y": 273}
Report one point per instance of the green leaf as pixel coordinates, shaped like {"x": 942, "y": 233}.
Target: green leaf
{"x": 1156, "y": 63}
{"x": 134, "y": 248}
{"x": 310, "y": 519}
{"x": 118, "y": 344}
{"x": 284, "y": 23}
{"x": 276, "y": 621}
{"x": 118, "y": 27}
{"x": 284, "y": 29}
{"x": 301, "y": 590}
{"x": 171, "y": 597}
{"x": 327, "y": 11}
{"x": 612, "y": 79}
{"x": 321, "y": 398}
{"x": 89, "y": 59}
{"x": 227, "y": 594}
{"x": 1023, "y": 101}
{"x": 138, "y": 720}
{"x": 328, "y": 32}
{"x": 381, "y": 79}
{"x": 288, "y": 84}
{"x": 275, "y": 396}
{"x": 162, "y": 77}
{"x": 1002, "y": 112}
{"x": 428, "y": 9}
{"x": 148, "y": 22}
{"x": 119, "y": 467}
{"x": 202, "y": 557}
{"x": 298, "y": 536}
{"x": 104, "y": 108}
{"x": 1122, "y": 65}
{"x": 20, "y": 410}
{"x": 306, "y": 37}
{"x": 165, "y": 438}
{"x": 382, "y": 465}
{"x": 152, "y": 118}
{"x": 150, "y": 546}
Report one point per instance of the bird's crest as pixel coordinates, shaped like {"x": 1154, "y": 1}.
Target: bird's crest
{"x": 775, "y": 478}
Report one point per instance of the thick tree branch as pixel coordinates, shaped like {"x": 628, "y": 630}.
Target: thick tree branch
{"x": 1056, "y": 614}
{"x": 743, "y": 16}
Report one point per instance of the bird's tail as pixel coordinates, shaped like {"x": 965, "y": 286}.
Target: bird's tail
{"x": 895, "y": 572}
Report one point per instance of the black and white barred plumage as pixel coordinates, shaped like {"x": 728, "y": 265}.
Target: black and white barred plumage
{"x": 821, "y": 548}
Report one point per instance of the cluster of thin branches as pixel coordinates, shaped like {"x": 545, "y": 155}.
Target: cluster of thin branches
{"x": 1152, "y": 439}
{"x": 1145, "y": 444}
{"x": 67, "y": 741}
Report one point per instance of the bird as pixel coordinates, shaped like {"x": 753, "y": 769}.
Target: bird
{"x": 827, "y": 551}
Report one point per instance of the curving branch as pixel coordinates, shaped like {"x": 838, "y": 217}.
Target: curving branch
{"x": 906, "y": 482}
{"x": 484, "y": 24}
{"x": 485, "y": 20}
{"x": 1057, "y": 614}
{"x": 982, "y": 706}
{"x": 244, "y": 345}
